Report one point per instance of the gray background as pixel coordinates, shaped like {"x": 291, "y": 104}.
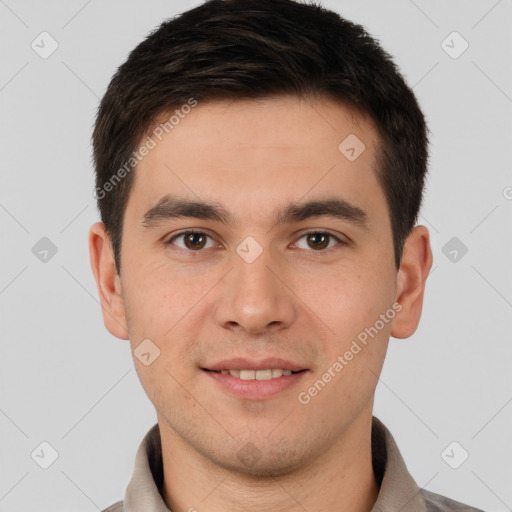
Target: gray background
{"x": 65, "y": 380}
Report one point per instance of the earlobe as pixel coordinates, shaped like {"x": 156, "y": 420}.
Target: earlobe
{"x": 107, "y": 281}
{"x": 414, "y": 269}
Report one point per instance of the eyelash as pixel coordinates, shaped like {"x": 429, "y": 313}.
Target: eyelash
{"x": 189, "y": 232}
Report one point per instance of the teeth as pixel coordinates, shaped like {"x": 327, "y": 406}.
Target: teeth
{"x": 257, "y": 374}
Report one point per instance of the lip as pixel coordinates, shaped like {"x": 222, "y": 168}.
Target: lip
{"x": 255, "y": 389}
{"x": 242, "y": 363}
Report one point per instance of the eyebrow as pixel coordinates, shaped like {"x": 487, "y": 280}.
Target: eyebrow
{"x": 173, "y": 207}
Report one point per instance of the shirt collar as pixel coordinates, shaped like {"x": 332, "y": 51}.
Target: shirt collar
{"x": 398, "y": 490}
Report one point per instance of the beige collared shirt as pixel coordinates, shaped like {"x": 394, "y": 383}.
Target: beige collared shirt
{"x": 398, "y": 491}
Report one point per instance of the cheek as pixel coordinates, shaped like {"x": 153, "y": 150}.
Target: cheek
{"x": 154, "y": 299}
{"x": 349, "y": 302}
{"x": 356, "y": 347}
{"x": 159, "y": 307}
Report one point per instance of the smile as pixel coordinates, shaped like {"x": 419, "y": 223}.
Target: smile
{"x": 256, "y": 374}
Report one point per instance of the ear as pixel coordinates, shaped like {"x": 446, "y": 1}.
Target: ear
{"x": 412, "y": 275}
{"x": 108, "y": 282}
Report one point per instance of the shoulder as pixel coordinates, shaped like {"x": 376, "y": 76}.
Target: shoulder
{"x": 116, "y": 507}
{"x": 437, "y": 503}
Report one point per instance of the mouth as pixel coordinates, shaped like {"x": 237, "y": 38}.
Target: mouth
{"x": 254, "y": 379}
{"x": 247, "y": 374}
{"x": 248, "y": 379}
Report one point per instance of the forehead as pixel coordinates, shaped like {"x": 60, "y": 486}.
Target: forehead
{"x": 252, "y": 152}
{"x": 286, "y": 119}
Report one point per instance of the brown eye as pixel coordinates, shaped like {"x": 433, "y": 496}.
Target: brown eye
{"x": 192, "y": 240}
{"x": 318, "y": 240}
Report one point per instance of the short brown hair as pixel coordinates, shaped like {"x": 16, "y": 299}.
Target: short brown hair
{"x": 244, "y": 49}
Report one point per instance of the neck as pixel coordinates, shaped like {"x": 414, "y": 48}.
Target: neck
{"x": 341, "y": 478}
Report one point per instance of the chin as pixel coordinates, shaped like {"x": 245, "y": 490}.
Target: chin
{"x": 261, "y": 463}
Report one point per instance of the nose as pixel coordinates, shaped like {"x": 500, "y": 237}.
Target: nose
{"x": 256, "y": 297}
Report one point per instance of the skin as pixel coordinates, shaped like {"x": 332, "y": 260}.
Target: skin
{"x": 294, "y": 301}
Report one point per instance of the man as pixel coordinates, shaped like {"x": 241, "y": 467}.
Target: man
{"x": 260, "y": 166}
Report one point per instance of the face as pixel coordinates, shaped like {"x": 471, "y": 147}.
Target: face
{"x": 290, "y": 258}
